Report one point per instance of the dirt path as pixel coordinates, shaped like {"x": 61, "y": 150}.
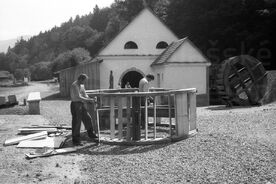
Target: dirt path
{"x": 22, "y": 92}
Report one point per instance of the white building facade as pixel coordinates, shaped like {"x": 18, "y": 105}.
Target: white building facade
{"x": 147, "y": 45}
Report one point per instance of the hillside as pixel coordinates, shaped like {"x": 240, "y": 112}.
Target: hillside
{"x": 5, "y": 44}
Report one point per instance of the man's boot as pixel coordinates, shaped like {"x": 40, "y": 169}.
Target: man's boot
{"x": 91, "y": 135}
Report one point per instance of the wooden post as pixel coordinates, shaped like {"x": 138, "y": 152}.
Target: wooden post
{"x": 154, "y": 118}
{"x": 170, "y": 115}
{"x": 128, "y": 111}
{"x": 136, "y": 123}
{"x": 181, "y": 115}
{"x": 98, "y": 124}
{"x": 112, "y": 118}
{"x": 146, "y": 118}
{"x": 120, "y": 117}
{"x": 192, "y": 99}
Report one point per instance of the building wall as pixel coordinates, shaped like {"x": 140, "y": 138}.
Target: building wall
{"x": 119, "y": 65}
{"x": 181, "y": 76}
{"x": 68, "y": 76}
{"x": 146, "y": 30}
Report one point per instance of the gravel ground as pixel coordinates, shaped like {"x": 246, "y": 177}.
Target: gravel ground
{"x": 233, "y": 145}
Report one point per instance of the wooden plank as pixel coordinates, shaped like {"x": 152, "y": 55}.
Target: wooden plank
{"x": 16, "y": 140}
{"x": 128, "y": 112}
{"x": 24, "y": 131}
{"x": 112, "y": 118}
{"x": 154, "y": 117}
{"x": 192, "y": 99}
{"x": 120, "y": 117}
{"x": 50, "y": 142}
{"x": 146, "y": 118}
{"x": 136, "y": 117}
{"x": 98, "y": 124}
{"x": 50, "y": 126}
{"x": 45, "y": 152}
{"x": 182, "y": 121}
{"x": 170, "y": 115}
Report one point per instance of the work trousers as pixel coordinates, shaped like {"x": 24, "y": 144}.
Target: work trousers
{"x": 79, "y": 113}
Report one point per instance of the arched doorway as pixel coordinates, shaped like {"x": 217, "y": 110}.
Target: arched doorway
{"x": 133, "y": 77}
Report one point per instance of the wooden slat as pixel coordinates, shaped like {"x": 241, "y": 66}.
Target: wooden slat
{"x": 170, "y": 115}
{"x": 146, "y": 118}
{"x": 112, "y": 118}
{"x": 154, "y": 117}
{"x": 98, "y": 125}
{"x": 192, "y": 99}
{"x": 16, "y": 140}
{"x": 120, "y": 117}
{"x": 128, "y": 112}
{"x": 182, "y": 123}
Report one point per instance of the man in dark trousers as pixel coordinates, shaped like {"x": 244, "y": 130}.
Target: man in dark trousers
{"x": 79, "y": 111}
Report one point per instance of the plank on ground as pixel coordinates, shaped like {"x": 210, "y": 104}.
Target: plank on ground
{"x": 50, "y": 142}
{"x": 16, "y": 140}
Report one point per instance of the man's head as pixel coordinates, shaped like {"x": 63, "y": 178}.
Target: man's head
{"x": 82, "y": 77}
{"x": 150, "y": 77}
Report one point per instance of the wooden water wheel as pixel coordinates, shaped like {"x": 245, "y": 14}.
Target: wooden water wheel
{"x": 241, "y": 80}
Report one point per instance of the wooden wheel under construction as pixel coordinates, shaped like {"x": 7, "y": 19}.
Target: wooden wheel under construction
{"x": 241, "y": 80}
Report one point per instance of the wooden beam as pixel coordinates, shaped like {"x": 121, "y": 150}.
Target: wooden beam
{"x": 146, "y": 118}
{"x": 192, "y": 100}
{"x": 170, "y": 115}
{"x": 16, "y": 140}
{"x": 182, "y": 121}
{"x": 120, "y": 116}
{"x": 128, "y": 113}
{"x": 112, "y": 118}
{"x": 154, "y": 118}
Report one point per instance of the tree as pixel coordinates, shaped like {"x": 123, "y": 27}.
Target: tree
{"x": 99, "y": 18}
{"x": 41, "y": 71}
{"x": 19, "y": 74}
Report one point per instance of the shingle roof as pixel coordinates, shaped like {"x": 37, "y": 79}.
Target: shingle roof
{"x": 166, "y": 54}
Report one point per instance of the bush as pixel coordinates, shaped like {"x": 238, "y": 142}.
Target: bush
{"x": 41, "y": 71}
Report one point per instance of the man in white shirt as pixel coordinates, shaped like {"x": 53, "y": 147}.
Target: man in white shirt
{"x": 144, "y": 83}
{"x": 144, "y": 87}
{"x": 78, "y": 110}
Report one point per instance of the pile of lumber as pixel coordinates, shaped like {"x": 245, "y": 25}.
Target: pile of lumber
{"x": 46, "y": 137}
{"x": 50, "y": 129}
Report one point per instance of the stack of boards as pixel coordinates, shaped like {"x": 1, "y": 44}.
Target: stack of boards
{"x": 37, "y": 137}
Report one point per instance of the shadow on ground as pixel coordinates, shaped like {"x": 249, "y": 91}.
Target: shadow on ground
{"x": 93, "y": 148}
{"x": 217, "y": 108}
{"x": 55, "y": 96}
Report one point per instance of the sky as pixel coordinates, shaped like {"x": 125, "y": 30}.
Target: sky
{"x": 29, "y": 17}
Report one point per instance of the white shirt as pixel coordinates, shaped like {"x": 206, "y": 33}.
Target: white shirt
{"x": 143, "y": 85}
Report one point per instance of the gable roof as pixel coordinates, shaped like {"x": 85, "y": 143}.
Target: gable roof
{"x": 171, "y": 49}
{"x": 130, "y": 22}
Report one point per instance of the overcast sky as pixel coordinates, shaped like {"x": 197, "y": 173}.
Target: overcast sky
{"x": 29, "y": 17}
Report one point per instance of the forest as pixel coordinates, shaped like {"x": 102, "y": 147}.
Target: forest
{"x": 220, "y": 28}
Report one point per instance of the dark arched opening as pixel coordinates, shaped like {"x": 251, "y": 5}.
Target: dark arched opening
{"x": 162, "y": 45}
{"x": 133, "y": 77}
{"x": 130, "y": 45}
